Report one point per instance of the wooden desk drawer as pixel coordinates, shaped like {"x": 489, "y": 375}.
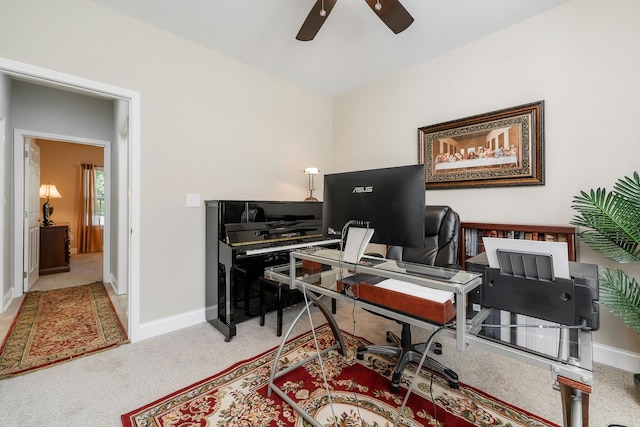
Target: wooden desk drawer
{"x": 364, "y": 287}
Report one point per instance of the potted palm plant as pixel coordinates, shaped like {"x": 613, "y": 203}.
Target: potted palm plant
{"x": 611, "y": 222}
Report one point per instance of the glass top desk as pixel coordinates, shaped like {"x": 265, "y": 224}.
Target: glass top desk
{"x": 565, "y": 352}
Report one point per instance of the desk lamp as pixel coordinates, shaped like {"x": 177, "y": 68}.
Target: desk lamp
{"x": 311, "y": 172}
{"x": 48, "y": 191}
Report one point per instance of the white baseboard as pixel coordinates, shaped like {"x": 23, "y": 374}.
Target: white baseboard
{"x": 6, "y": 300}
{"x": 616, "y": 357}
{"x": 112, "y": 286}
{"x": 170, "y": 324}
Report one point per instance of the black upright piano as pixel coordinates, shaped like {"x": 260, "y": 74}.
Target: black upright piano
{"x": 242, "y": 239}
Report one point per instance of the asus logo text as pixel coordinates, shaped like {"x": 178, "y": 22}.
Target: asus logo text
{"x": 367, "y": 189}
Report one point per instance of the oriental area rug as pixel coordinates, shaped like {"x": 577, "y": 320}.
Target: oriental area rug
{"x": 359, "y": 395}
{"x": 59, "y": 325}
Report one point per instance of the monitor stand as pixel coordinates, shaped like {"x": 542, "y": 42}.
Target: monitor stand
{"x": 357, "y": 240}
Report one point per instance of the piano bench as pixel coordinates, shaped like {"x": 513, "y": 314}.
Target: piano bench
{"x": 281, "y": 291}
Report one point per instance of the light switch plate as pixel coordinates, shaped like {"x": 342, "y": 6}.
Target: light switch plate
{"x": 193, "y": 200}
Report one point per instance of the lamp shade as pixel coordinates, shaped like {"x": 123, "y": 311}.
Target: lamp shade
{"x": 49, "y": 191}
{"x": 311, "y": 171}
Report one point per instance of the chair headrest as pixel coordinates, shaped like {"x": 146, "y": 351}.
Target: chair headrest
{"x": 434, "y": 216}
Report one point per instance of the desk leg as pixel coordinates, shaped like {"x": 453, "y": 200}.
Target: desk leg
{"x": 274, "y": 368}
{"x": 337, "y": 334}
{"x": 575, "y": 402}
{"x": 339, "y": 345}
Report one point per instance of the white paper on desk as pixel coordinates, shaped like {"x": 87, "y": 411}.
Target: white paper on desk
{"x": 436, "y": 295}
{"x": 557, "y": 250}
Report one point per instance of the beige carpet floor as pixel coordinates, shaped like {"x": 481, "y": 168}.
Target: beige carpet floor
{"x": 97, "y": 389}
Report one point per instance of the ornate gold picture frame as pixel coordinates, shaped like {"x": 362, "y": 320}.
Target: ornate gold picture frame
{"x": 501, "y": 148}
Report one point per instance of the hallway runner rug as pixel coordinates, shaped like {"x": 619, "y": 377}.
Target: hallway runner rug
{"x": 59, "y": 325}
{"x": 360, "y": 395}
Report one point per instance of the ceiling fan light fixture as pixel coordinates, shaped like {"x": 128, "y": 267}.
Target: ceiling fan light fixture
{"x": 323, "y": 11}
{"x": 378, "y": 6}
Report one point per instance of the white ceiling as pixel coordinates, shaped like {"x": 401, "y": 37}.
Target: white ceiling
{"x": 352, "y": 49}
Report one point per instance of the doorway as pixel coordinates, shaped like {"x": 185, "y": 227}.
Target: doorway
{"x": 22, "y": 138}
{"x": 60, "y": 165}
{"x": 125, "y": 238}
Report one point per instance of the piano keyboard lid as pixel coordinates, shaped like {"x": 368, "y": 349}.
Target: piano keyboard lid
{"x": 272, "y": 231}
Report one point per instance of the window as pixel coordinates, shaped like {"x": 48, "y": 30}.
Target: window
{"x": 100, "y": 195}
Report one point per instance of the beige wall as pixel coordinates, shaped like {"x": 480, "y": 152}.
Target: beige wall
{"x": 581, "y": 58}
{"x": 60, "y": 165}
{"x": 210, "y": 125}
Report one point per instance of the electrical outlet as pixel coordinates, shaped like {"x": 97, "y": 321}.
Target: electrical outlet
{"x": 193, "y": 200}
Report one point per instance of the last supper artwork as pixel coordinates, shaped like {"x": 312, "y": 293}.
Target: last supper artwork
{"x": 495, "y": 148}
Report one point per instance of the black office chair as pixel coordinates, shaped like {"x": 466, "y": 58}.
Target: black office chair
{"x": 442, "y": 244}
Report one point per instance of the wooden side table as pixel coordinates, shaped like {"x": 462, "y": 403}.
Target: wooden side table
{"x": 54, "y": 249}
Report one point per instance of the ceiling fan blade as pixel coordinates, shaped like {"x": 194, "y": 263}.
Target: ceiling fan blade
{"x": 314, "y": 21}
{"x": 393, "y": 14}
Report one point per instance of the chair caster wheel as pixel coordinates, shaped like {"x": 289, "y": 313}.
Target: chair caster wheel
{"x": 360, "y": 352}
{"x": 395, "y": 382}
{"x": 454, "y": 385}
{"x": 437, "y": 348}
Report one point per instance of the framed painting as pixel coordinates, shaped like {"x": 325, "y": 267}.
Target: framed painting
{"x": 501, "y": 148}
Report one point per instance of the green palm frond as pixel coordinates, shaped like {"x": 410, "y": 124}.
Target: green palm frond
{"x": 612, "y": 220}
{"x": 629, "y": 188}
{"x": 621, "y": 294}
{"x": 611, "y": 223}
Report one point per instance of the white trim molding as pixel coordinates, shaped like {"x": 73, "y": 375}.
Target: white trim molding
{"x": 31, "y": 73}
{"x": 612, "y": 356}
{"x": 172, "y": 323}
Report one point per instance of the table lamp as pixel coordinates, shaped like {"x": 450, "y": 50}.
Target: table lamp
{"x": 48, "y": 191}
{"x": 311, "y": 172}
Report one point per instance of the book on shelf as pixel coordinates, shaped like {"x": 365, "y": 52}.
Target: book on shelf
{"x": 474, "y": 232}
{"x": 471, "y": 242}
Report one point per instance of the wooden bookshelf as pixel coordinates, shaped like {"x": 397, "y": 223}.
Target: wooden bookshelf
{"x": 473, "y": 232}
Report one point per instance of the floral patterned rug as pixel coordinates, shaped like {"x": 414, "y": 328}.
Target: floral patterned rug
{"x": 59, "y": 325}
{"x": 359, "y": 395}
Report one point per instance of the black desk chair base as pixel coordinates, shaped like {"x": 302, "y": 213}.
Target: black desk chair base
{"x": 409, "y": 352}
{"x": 441, "y": 248}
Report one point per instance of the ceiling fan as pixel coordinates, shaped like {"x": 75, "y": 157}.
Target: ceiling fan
{"x": 391, "y": 13}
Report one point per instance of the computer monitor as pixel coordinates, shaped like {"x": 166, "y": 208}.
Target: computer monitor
{"x": 390, "y": 201}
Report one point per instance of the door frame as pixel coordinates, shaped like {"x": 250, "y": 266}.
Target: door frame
{"x": 131, "y": 233}
{"x": 19, "y": 172}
